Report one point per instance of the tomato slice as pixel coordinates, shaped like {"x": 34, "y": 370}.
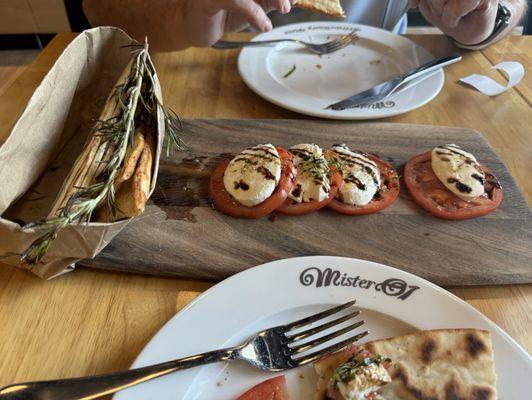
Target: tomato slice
{"x": 271, "y": 389}
{"x": 290, "y": 207}
{"x": 227, "y": 204}
{"x": 432, "y": 195}
{"x": 384, "y": 198}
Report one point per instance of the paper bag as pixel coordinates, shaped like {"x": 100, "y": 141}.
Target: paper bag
{"x": 45, "y": 142}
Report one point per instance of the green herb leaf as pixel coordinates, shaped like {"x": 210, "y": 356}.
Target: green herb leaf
{"x": 334, "y": 166}
{"x": 290, "y": 72}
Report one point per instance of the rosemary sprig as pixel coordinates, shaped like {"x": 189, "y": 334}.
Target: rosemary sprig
{"x": 139, "y": 102}
{"x": 172, "y": 121}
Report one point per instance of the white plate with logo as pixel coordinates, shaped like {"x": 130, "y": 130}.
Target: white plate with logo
{"x": 318, "y": 81}
{"x": 393, "y": 302}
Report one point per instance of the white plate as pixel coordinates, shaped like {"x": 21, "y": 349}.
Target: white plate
{"x": 321, "y": 80}
{"x": 393, "y": 303}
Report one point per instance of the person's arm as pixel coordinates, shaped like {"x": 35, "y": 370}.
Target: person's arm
{"x": 162, "y": 21}
{"x": 468, "y": 22}
{"x": 178, "y": 24}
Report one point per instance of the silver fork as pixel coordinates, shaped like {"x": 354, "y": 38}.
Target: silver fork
{"x": 273, "y": 349}
{"x": 323, "y": 48}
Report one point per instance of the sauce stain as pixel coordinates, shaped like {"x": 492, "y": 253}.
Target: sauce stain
{"x": 462, "y": 187}
{"x": 356, "y": 181}
{"x": 241, "y": 185}
{"x": 297, "y": 191}
{"x": 266, "y": 173}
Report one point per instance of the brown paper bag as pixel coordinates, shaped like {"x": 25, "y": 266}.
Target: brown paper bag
{"x": 45, "y": 142}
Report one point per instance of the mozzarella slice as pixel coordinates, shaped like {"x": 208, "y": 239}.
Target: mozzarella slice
{"x": 312, "y": 182}
{"x": 362, "y": 178}
{"x": 252, "y": 176}
{"x": 458, "y": 170}
{"x": 368, "y": 379}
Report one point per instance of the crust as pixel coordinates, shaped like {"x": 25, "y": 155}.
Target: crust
{"x": 142, "y": 177}
{"x": 132, "y": 196}
{"x": 132, "y": 157}
{"x": 328, "y": 7}
{"x": 439, "y": 364}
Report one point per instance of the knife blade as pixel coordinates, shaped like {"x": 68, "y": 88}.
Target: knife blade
{"x": 387, "y": 88}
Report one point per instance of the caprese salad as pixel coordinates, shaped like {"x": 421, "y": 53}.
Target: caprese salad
{"x": 317, "y": 181}
{"x": 369, "y": 183}
{"x": 254, "y": 183}
{"x": 302, "y": 179}
{"x": 450, "y": 183}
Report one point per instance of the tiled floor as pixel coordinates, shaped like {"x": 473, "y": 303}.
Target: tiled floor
{"x": 12, "y": 64}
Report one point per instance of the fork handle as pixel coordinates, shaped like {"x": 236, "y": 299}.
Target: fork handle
{"x": 95, "y": 386}
{"x": 223, "y": 44}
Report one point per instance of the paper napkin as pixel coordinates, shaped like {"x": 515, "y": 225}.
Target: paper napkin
{"x": 514, "y": 71}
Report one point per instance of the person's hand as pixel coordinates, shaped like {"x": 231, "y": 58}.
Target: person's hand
{"x": 466, "y": 21}
{"x": 208, "y": 20}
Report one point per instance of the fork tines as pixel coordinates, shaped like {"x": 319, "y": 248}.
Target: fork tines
{"x": 342, "y": 42}
{"x": 298, "y": 348}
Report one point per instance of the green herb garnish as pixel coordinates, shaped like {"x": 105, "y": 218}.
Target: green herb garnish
{"x": 290, "y": 72}
{"x": 319, "y": 168}
{"x": 315, "y": 166}
{"x": 334, "y": 166}
{"x": 346, "y": 372}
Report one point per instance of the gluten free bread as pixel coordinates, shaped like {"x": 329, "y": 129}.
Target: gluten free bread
{"x": 134, "y": 186}
{"x": 329, "y": 7}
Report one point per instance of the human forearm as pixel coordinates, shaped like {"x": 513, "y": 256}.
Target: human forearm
{"x": 161, "y": 21}
{"x": 178, "y": 24}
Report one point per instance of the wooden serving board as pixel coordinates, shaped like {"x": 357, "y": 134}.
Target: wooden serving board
{"x": 181, "y": 235}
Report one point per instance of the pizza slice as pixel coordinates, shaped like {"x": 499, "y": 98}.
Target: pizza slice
{"x": 329, "y": 7}
{"x": 438, "y": 365}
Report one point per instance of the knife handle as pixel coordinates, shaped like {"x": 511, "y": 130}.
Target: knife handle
{"x": 431, "y": 66}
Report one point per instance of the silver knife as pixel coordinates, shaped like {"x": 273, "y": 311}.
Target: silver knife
{"x": 386, "y": 88}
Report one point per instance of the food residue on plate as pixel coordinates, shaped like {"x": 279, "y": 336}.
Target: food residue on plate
{"x": 221, "y": 382}
{"x": 375, "y": 62}
{"x": 319, "y": 66}
{"x": 290, "y": 72}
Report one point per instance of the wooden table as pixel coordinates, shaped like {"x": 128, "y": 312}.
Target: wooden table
{"x": 91, "y": 322}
